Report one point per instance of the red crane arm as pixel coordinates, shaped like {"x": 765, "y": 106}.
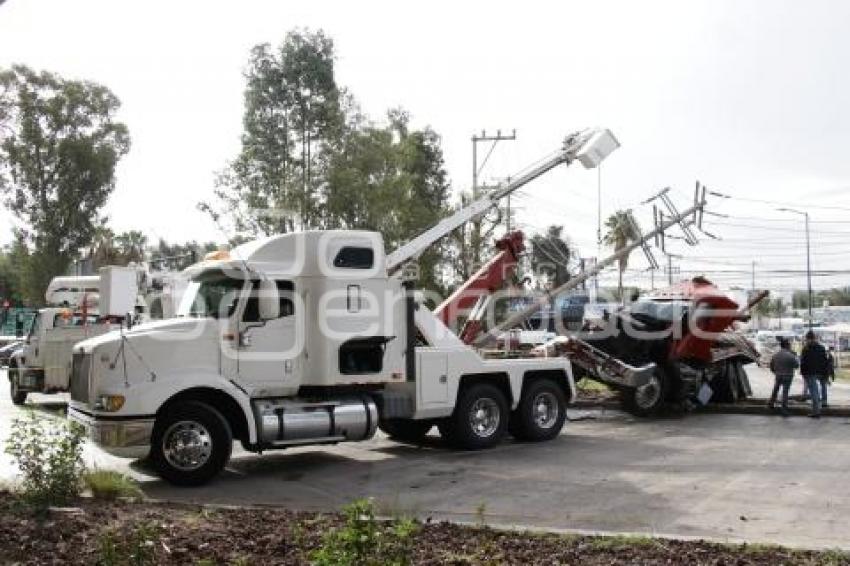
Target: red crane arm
{"x": 487, "y": 280}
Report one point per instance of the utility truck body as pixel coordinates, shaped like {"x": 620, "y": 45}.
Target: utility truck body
{"x": 90, "y": 306}
{"x": 42, "y": 364}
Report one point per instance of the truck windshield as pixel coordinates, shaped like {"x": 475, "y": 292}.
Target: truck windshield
{"x": 667, "y": 311}
{"x": 211, "y": 295}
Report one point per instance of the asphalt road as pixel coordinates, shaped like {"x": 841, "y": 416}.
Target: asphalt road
{"x": 727, "y": 477}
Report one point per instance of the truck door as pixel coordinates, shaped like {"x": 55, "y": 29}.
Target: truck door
{"x": 268, "y": 353}
{"x": 32, "y": 349}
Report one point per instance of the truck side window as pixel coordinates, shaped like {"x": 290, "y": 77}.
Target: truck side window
{"x": 285, "y": 291}
{"x": 287, "y": 306}
{"x": 351, "y": 257}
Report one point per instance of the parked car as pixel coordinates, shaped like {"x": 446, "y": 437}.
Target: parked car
{"x": 8, "y": 350}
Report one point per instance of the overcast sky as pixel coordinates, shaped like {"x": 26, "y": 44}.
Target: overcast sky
{"x": 748, "y": 97}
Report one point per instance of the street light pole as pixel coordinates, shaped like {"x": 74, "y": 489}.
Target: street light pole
{"x": 808, "y": 259}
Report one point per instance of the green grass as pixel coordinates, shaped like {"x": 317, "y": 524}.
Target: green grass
{"x": 109, "y": 485}
{"x": 620, "y": 542}
{"x": 585, "y": 384}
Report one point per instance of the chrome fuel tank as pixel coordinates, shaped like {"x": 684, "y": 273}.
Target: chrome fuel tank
{"x": 291, "y": 421}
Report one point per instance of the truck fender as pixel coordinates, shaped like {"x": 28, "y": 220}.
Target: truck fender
{"x": 211, "y": 390}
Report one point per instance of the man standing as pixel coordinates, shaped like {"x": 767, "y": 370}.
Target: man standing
{"x": 829, "y": 377}
{"x": 814, "y": 365}
{"x": 782, "y": 364}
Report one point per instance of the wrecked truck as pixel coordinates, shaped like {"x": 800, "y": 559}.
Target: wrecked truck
{"x": 672, "y": 347}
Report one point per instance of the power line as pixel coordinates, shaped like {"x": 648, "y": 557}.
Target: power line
{"x": 777, "y": 203}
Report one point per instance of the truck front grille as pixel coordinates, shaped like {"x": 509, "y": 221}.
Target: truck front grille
{"x": 80, "y": 375}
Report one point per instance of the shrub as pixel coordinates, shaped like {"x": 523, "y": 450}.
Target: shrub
{"x": 110, "y": 485}
{"x": 364, "y": 541}
{"x": 48, "y": 453}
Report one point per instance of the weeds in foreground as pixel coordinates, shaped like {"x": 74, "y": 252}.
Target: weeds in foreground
{"x": 365, "y": 541}
{"x": 137, "y": 549}
{"x": 481, "y": 514}
{"x": 109, "y": 485}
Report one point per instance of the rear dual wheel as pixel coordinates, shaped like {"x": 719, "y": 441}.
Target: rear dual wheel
{"x": 482, "y": 415}
{"x": 726, "y": 384}
{"x": 480, "y": 418}
{"x": 541, "y": 413}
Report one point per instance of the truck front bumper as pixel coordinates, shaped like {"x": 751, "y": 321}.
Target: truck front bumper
{"x": 126, "y": 438}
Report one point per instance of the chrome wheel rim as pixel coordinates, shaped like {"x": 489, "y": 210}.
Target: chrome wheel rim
{"x": 187, "y": 445}
{"x": 484, "y": 417}
{"x": 545, "y": 410}
{"x": 647, "y": 396}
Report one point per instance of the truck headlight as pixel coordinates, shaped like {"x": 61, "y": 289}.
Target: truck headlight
{"x": 109, "y": 403}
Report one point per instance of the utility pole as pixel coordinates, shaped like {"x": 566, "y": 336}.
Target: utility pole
{"x": 599, "y": 210}
{"x": 508, "y": 211}
{"x": 670, "y": 267}
{"x": 598, "y": 222}
{"x": 808, "y": 260}
{"x": 753, "y": 292}
{"x": 476, "y": 171}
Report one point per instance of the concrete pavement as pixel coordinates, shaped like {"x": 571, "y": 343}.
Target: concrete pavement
{"x": 729, "y": 477}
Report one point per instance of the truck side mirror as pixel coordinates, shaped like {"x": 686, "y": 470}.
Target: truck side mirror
{"x": 269, "y": 302}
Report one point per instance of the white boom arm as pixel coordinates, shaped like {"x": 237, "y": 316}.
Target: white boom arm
{"x": 589, "y": 146}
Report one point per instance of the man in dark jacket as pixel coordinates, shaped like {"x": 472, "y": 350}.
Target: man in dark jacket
{"x": 828, "y": 378}
{"x": 782, "y": 364}
{"x": 814, "y": 365}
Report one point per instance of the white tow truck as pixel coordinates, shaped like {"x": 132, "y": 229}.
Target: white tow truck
{"x": 312, "y": 338}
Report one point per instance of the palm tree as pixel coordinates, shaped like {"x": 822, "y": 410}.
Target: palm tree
{"x": 102, "y": 249}
{"x": 550, "y": 255}
{"x": 132, "y": 246}
{"x": 621, "y": 231}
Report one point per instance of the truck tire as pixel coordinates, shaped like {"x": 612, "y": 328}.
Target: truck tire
{"x": 541, "y": 412}
{"x": 725, "y": 385}
{"x": 18, "y": 397}
{"x": 480, "y": 418}
{"x": 191, "y": 443}
{"x": 649, "y": 399}
{"x": 405, "y": 430}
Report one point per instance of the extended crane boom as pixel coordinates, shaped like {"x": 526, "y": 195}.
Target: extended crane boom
{"x": 589, "y": 146}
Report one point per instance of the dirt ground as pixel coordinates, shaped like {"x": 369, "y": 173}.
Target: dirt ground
{"x": 147, "y": 533}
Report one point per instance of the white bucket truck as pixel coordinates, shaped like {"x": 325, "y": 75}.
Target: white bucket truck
{"x": 92, "y": 305}
{"x": 311, "y": 338}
